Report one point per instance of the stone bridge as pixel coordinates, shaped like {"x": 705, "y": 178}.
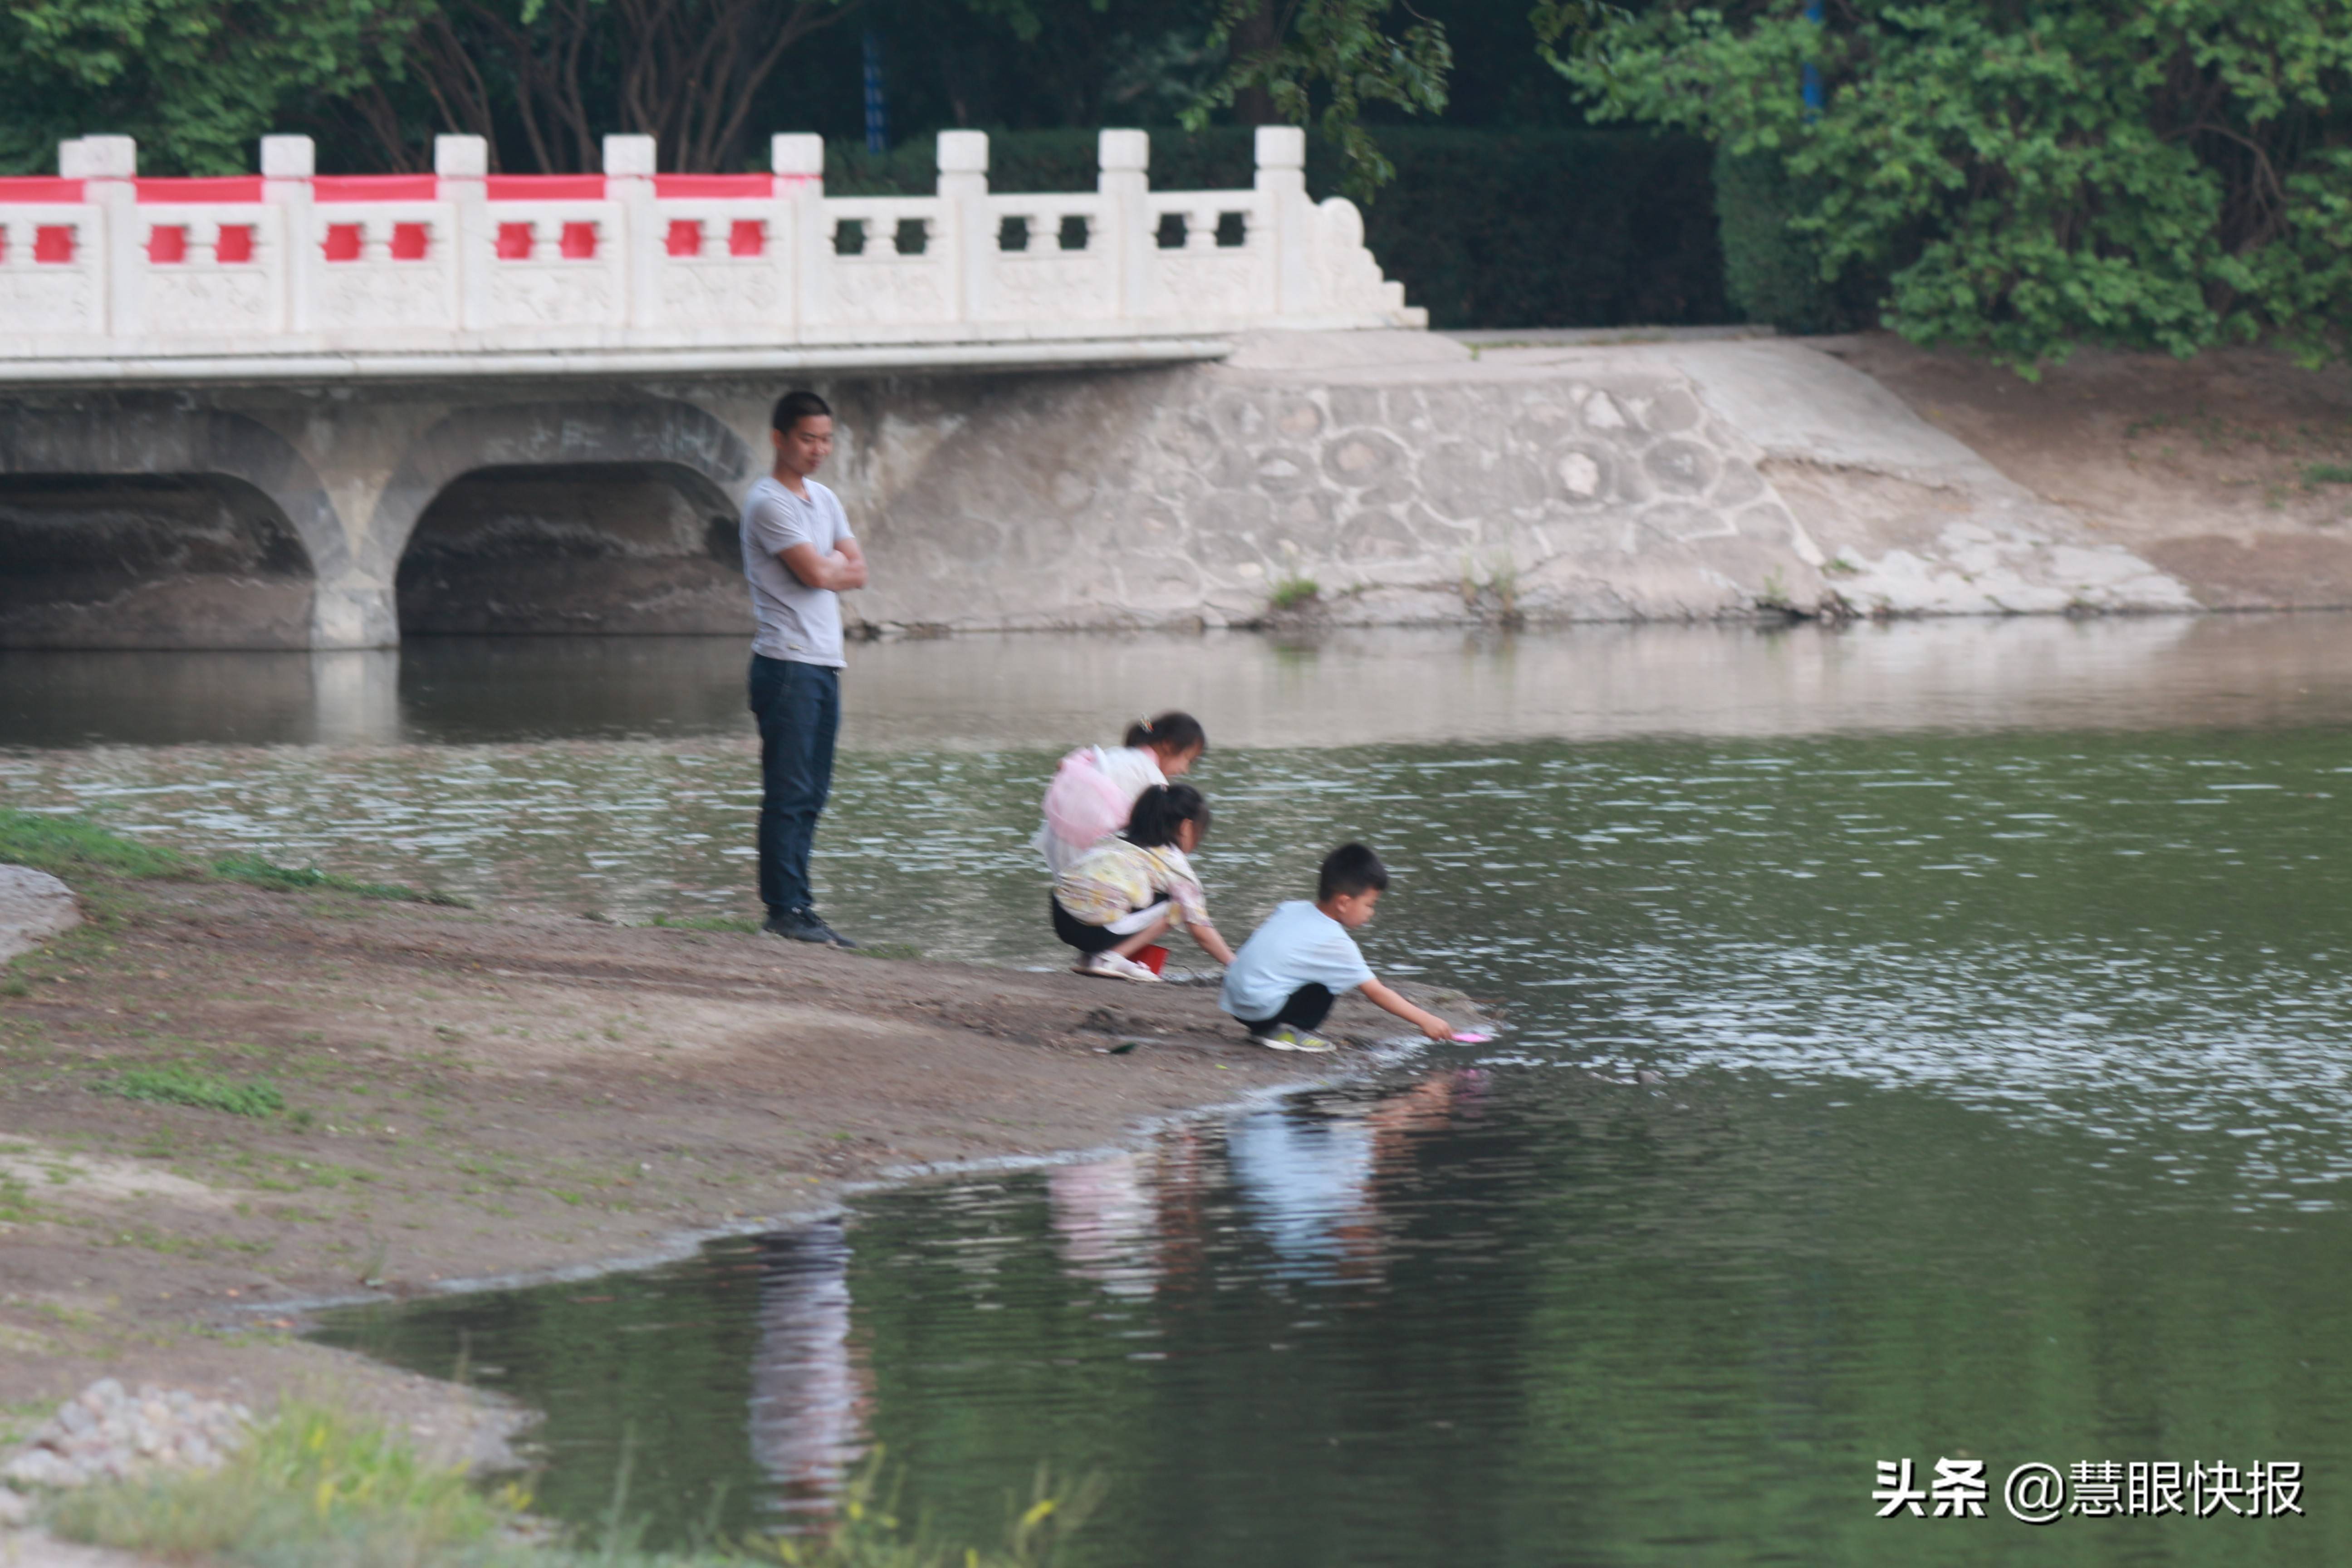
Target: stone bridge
{"x": 294, "y": 412}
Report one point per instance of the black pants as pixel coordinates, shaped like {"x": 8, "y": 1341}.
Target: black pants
{"x": 1307, "y": 1007}
{"x": 799, "y": 709}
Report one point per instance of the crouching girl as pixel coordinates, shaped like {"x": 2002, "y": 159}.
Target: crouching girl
{"x": 1124, "y": 893}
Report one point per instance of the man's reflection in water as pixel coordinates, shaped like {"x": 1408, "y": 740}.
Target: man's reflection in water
{"x": 811, "y": 1391}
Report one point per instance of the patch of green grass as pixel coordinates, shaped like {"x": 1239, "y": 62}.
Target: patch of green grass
{"x": 1295, "y": 593}
{"x": 708, "y": 922}
{"x": 279, "y": 879}
{"x": 312, "y": 1486}
{"x": 175, "y": 1085}
{"x": 61, "y": 845}
{"x": 316, "y": 1488}
{"x": 2328, "y": 474}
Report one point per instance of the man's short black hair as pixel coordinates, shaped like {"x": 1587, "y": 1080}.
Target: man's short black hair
{"x": 1350, "y": 870}
{"x": 795, "y": 407}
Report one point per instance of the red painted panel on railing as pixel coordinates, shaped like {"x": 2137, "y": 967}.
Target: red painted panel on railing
{"x": 545, "y": 188}
{"x": 409, "y": 241}
{"x": 578, "y": 240}
{"x": 376, "y": 188}
{"x": 685, "y": 236}
{"x": 343, "y": 242}
{"x": 53, "y": 243}
{"x": 234, "y": 244}
{"x": 514, "y": 242}
{"x": 167, "y": 243}
{"x": 715, "y": 187}
{"x": 229, "y": 188}
{"x": 747, "y": 237}
{"x": 39, "y": 188}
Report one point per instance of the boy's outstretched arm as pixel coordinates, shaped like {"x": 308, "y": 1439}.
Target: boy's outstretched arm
{"x": 1428, "y": 1024}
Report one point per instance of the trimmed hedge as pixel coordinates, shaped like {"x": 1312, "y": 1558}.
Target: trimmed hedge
{"x": 1516, "y": 228}
{"x": 1773, "y": 273}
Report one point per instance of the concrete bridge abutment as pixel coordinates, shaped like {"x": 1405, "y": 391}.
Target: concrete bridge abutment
{"x": 1355, "y": 478}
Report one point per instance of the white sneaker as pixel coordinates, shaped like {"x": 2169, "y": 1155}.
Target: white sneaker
{"x": 1111, "y": 966}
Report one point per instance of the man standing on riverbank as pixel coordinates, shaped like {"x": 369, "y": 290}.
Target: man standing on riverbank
{"x": 800, "y": 558}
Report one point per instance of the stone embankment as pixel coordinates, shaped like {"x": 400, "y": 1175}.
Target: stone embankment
{"x": 106, "y": 1433}
{"x": 1387, "y": 478}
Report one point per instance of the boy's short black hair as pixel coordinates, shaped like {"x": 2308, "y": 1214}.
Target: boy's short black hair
{"x": 1350, "y": 870}
{"x": 795, "y": 407}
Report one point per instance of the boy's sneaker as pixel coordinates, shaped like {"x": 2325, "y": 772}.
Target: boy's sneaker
{"x": 803, "y": 925}
{"x": 1290, "y": 1037}
{"x": 1111, "y": 966}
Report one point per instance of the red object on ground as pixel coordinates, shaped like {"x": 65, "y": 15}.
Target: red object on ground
{"x": 747, "y": 237}
{"x": 236, "y": 243}
{"x": 1154, "y": 958}
{"x": 579, "y": 242}
{"x": 685, "y": 236}
{"x": 343, "y": 242}
{"x": 53, "y": 243}
{"x": 167, "y": 243}
{"x": 514, "y": 241}
{"x": 409, "y": 241}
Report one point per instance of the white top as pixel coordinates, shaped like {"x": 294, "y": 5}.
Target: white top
{"x": 796, "y": 622}
{"x": 1133, "y": 769}
{"x": 1298, "y": 945}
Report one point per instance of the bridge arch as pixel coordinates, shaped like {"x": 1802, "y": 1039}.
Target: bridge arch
{"x": 537, "y": 518}
{"x": 152, "y": 525}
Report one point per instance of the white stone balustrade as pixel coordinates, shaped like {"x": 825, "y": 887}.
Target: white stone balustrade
{"x": 294, "y": 274}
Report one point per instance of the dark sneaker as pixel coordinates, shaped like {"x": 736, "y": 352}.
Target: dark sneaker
{"x": 803, "y": 925}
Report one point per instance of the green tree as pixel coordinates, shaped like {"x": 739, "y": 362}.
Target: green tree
{"x": 1320, "y": 62}
{"x": 195, "y": 81}
{"x": 2168, "y": 175}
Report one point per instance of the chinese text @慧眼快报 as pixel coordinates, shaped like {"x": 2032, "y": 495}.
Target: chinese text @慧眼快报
{"x": 2040, "y": 1493}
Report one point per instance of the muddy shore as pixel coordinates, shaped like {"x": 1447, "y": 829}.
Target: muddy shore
{"x": 470, "y": 1095}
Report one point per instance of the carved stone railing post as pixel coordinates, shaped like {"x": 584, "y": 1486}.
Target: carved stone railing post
{"x": 797, "y": 162}
{"x": 463, "y": 164}
{"x": 288, "y": 163}
{"x": 107, "y": 166}
{"x": 967, "y": 244}
{"x": 1282, "y": 179}
{"x": 629, "y": 184}
{"x": 1122, "y": 158}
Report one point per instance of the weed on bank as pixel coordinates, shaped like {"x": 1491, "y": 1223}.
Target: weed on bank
{"x": 317, "y": 1488}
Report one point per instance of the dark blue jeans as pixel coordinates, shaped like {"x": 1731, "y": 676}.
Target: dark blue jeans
{"x": 799, "y": 709}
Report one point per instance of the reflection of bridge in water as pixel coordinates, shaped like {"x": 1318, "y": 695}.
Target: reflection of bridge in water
{"x": 295, "y": 410}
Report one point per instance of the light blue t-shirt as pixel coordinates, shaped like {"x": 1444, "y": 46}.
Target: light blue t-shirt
{"x": 796, "y": 622}
{"x": 1298, "y": 945}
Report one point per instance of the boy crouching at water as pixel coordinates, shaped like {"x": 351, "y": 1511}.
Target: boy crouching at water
{"x": 1283, "y": 982}
{"x": 1124, "y": 893}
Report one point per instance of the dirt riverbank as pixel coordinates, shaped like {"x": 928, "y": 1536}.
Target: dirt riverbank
{"x": 2231, "y": 471}
{"x": 469, "y": 1095}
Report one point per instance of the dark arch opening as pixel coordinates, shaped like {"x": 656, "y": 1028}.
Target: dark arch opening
{"x": 631, "y": 548}
{"x": 149, "y": 561}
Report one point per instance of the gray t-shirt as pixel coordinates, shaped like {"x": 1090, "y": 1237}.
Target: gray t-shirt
{"x": 796, "y": 622}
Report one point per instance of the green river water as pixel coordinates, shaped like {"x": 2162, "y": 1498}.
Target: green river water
{"x": 1926, "y": 1042}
